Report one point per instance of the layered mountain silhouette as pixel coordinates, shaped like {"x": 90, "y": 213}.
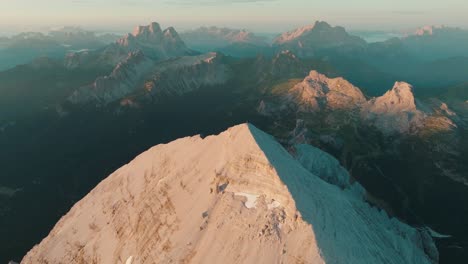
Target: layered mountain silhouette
{"x": 213, "y": 38}
{"x": 95, "y": 109}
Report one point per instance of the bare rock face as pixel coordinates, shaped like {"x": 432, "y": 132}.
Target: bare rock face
{"x": 339, "y": 102}
{"x": 395, "y": 111}
{"x": 318, "y": 92}
{"x": 238, "y": 197}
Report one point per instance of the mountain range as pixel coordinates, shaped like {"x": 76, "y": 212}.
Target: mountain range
{"x": 395, "y": 157}
{"x": 232, "y": 42}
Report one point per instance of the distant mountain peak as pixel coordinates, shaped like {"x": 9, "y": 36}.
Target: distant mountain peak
{"x": 395, "y": 111}
{"x": 216, "y": 38}
{"x": 150, "y": 34}
{"x": 425, "y": 30}
{"x": 171, "y": 33}
{"x": 302, "y": 31}
{"x": 154, "y": 42}
{"x": 318, "y": 92}
{"x": 151, "y": 29}
{"x": 291, "y": 35}
{"x": 319, "y": 38}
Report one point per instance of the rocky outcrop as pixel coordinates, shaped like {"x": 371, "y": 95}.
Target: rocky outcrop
{"x": 318, "y": 92}
{"x": 235, "y": 197}
{"x": 238, "y": 43}
{"x": 395, "y": 111}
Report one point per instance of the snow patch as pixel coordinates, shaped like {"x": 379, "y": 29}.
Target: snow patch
{"x": 129, "y": 260}
{"x": 251, "y": 199}
{"x": 274, "y": 204}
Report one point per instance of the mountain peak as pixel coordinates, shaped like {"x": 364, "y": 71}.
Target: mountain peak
{"x": 319, "y": 38}
{"x": 316, "y": 76}
{"x": 171, "y": 33}
{"x": 425, "y": 30}
{"x": 321, "y": 25}
{"x": 194, "y": 199}
{"x": 318, "y": 92}
{"x": 151, "y": 29}
{"x": 399, "y": 98}
{"x": 154, "y": 42}
{"x": 299, "y": 32}
{"x": 395, "y": 111}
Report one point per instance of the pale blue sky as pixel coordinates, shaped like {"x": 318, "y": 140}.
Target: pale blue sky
{"x": 256, "y": 15}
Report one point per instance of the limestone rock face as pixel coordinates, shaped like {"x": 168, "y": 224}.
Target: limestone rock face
{"x": 237, "y": 197}
{"x": 395, "y": 110}
{"x": 340, "y": 102}
{"x": 317, "y": 92}
{"x": 154, "y": 42}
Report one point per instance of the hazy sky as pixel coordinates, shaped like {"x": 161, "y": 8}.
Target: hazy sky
{"x": 257, "y": 15}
